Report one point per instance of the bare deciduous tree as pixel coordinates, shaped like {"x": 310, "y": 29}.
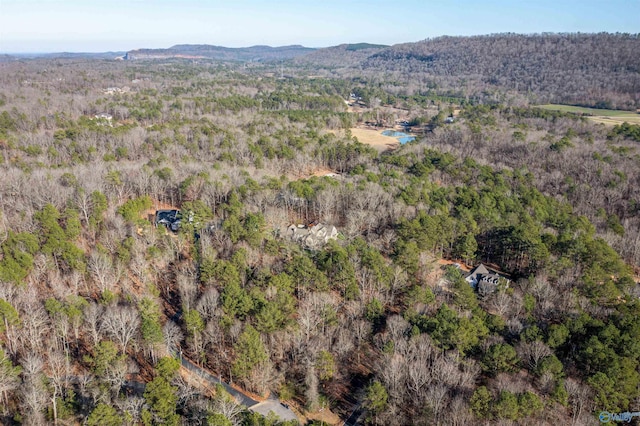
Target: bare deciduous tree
{"x": 532, "y": 353}
{"x": 580, "y": 398}
{"x": 392, "y": 372}
{"x": 121, "y": 322}
{"x": 132, "y": 405}
{"x": 34, "y": 326}
{"x": 311, "y": 392}
{"x": 59, "y": 372}
{"x": 34, "y": 395}
{"x": 92, "y": 316}
{"x": 172, "y": 336}
{"x": 186, "y": 279}
{"x": 9, "y": 378}
{"x": 101, "y": 269}
{"x": 208, "y": 303}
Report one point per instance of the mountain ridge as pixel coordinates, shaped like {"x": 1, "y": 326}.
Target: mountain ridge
{"x": 207, "y": 51}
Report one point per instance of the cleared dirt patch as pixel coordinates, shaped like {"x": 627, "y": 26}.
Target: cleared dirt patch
{"x": 157, "y": 205}
{"x": 463, "y": 267}
{"x": 313, "y": 172}
{"x": 324, "y": 172}
{"x": 325, "y": 416}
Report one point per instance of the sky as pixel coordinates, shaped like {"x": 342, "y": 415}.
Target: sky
{"x": 29, "y": 26}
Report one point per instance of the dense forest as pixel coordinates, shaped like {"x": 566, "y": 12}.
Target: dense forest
{"x": 105, "y": 317}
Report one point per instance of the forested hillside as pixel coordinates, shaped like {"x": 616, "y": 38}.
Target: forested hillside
{"x": 342, "y": 55}
{"x": 601, "y": 70}
{"x": 98, "y": 307}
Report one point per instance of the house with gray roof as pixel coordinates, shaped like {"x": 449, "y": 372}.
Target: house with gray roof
{"x": 312, "y": 237}
{"x": 485, "y": 281}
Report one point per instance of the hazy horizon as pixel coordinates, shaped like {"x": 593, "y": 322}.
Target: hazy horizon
{"x": 52, "y": 26}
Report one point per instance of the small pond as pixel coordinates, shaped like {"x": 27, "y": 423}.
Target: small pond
{"x": 401, "y": 136}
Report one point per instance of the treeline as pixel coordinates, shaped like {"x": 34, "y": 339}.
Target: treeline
{"x": 630, "y": 131}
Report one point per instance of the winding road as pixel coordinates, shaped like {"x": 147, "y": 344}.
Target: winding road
{"x": 263, "y": 407}
{"x": 240, "y": 397}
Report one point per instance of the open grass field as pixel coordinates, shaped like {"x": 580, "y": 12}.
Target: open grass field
{"x": 605, "y": 116}
{"x": 375, "y": 139}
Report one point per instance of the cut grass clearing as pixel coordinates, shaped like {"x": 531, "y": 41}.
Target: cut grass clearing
{"x": 373, "y": 138}
{"x": 605, "y": 116}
